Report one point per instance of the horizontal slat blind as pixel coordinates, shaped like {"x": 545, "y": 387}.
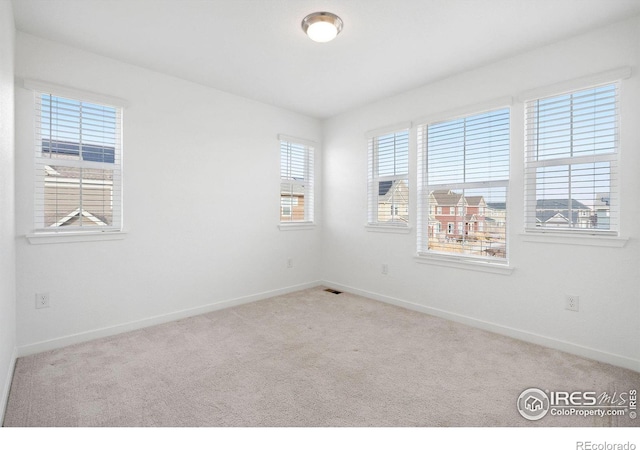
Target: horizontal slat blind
{"x": 388, "y": 187}
{"x": 571, "y": 171}
{"x": 296, "y": 182}
{"x": 464, "y": 178}
{"x": 470, "y": 149}
{"x": 78, "y": 180}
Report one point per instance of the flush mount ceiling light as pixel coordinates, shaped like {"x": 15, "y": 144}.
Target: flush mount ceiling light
{"x": 322, "y": 26}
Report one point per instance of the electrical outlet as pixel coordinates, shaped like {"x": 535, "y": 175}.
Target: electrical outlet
{"x": 42, "y": 300}
{"x": 572, "y": 303}
{"x": 289, "y": 263}
{"x": 385, "y": 269}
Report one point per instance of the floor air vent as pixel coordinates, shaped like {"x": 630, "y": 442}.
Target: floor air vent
{"x": 333, "y": 291}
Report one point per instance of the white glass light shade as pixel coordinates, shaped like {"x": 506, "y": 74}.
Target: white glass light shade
{"x": 322, "y": 31}
{"x": 322, "y": 26}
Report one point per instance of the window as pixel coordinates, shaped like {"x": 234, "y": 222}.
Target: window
{"x": 464, "y": 164}
{"x": 296, "y": 182}
{"x": 287, "y": 205}
{"x": 572, "y": 161}
{"x": 78, "y": 154}
{"x": 389, "y": 179}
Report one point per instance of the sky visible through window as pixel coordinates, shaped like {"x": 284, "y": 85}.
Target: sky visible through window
{"x": 393, "y": 154}
{"x": 74, "y": 128}
{"x": 292, "y": 161}
{"x": 472, "y": 149}
{"x": 573, "y": 126}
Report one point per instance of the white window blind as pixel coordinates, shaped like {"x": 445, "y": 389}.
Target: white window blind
{"x": 296, "y": 182}
{"x": 571, "y": 175}
{"x": 463, "y": 183}
{"x": 78, "y": 154}
{"x": 388, "y": 190}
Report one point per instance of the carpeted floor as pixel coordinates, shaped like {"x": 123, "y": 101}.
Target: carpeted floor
{"x": 310, "y": 358}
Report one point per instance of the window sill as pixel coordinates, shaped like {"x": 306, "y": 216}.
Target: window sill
{"x": 466, "y": 264}
{"x": 388, "y": 229}
{"x": 61, "y": 238}
{"x": 573, "y": 239}
{"x": 295, "y": 226}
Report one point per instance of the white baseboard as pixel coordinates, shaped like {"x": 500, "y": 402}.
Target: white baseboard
{"x": 64, "y": 341}
{"x": 569, "y": 347}
{"x": 4, "y": 400}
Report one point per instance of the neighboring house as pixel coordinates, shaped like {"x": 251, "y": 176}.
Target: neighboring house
{"x": 74, "y": 196}
{"x": 602, "y": 208}
{"x": 466, "y": 224}
{"x": 71, "y": 150}
{"x": 475, "y": 215}
{"x": 453, "y": 215}
{"x": 393, "y": 201}
{"x": 75, "y": 217}
{"x": 562, "y": 213}
{"x": 496, "y": 219}
{"x": 292, "y": 203}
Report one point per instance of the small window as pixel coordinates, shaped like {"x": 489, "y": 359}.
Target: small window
{"x": 296, "y": 182}
{"x": 389, "y": 179}
{"x": 571, "y": 171}
{"x": 78, "y": 154}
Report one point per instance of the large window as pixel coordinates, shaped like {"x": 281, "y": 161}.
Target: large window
{"x": 388, "y": 191}
{"x": 78, "y": 165}
{"x": 464, "y": 179}
{"x": 296, "y": 182}
{"x": 572, "y": 161}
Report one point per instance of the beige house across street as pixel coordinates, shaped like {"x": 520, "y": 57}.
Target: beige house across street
{"x": 393, "y": 202}
{"x": 74, "y": 196}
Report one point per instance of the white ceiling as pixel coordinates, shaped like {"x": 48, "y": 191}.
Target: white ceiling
{"x": 256, "y": 48}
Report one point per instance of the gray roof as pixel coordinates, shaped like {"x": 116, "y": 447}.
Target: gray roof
{"x": 547, "y": 209}
{"x": 387, "y": 189}
{"x": 383, "y": 187}
{"x": 497, "y": 205}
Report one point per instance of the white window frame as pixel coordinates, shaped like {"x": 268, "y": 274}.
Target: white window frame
{"x": 59, "y": 234}
{"x": 373, "y": 179}
{"x": 305, "y": 184}
{"x": 612, "y": 78}
{"x": 465, "y": 261}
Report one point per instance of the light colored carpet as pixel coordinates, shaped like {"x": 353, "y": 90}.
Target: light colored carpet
{"x": 310, "y": 358}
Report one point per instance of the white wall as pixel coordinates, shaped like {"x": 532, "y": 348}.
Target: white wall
{"x": 201, "y": 210}
{"x": 529, "y": 303}
{"x": 7, "y": 214}
{"x": 201, "y": 205}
